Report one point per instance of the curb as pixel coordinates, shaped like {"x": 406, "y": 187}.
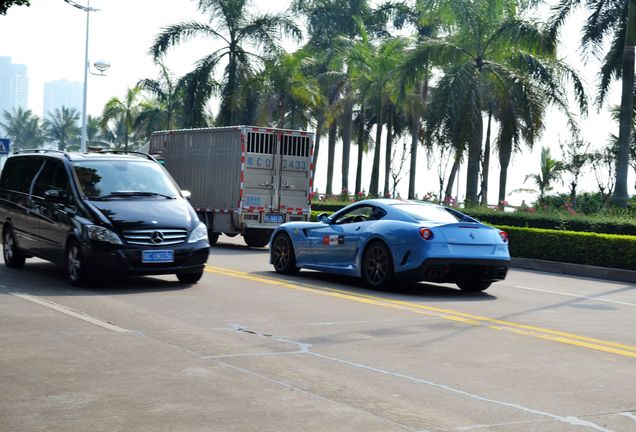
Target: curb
{"x": 605, "y": 273}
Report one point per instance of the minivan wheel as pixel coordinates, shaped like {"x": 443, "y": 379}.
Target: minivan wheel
{"x": 13, "y": 257}
{"x": 75, "y": 265}
{"x": 190, "y": 277}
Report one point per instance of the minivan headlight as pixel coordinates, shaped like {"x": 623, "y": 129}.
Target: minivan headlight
{"x": 199, "y": 233}
{"x": 99, "y": 233}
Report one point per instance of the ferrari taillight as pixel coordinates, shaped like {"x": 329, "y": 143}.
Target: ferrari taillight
{"x": 504, "y": 236}
{"x": 426, "y": 233}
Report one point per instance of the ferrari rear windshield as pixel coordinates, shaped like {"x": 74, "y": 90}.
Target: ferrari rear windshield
{"x": 429, "y": 213}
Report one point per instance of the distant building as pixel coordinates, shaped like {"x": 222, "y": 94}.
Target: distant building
{"x": 14, "y": 85}
{"x": 62, "y": 93}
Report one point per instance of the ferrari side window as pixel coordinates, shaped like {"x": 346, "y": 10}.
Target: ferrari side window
{"x": 357, "y": 214}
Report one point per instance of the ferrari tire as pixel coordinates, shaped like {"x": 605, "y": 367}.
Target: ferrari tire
{"x": 473, "y": 285}
{"x": 283, "y": 255}
{"x": 377, "y": 265}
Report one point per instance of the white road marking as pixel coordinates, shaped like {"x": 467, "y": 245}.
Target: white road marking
{"x": 305, "y": 348}
{"x": 573, "y": 295}
{"x": 70, "y": 312}
{"x": 628, "y": 415}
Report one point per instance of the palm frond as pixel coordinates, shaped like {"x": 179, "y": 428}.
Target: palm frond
{"x": 178, "y": 33}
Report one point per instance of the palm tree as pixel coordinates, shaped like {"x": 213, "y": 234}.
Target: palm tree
{"x": 166, "y": 100}
{"x": 232, "y": 24}
{"x": 124, "y": 117}
{"x": 550, "y": 171}
{"x": 415, "y": 88}
{"x": 375, "y": 82}
{"x": 23, "y": 128}
{"x": 61, "y": 126}
{"x": 289, "y": 92}
{"x": 613, "y": 20}
{"x": 329, "y": 21}
{"x": 576, "y": 157}
{"x": 487, "y": 49}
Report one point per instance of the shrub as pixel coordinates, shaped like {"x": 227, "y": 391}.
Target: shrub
{"x": 603, "y": 250}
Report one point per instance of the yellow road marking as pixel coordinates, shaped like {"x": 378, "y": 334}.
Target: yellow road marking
{"x": 447, "y": 314}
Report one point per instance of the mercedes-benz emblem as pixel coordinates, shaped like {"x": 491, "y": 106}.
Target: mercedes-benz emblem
{"x": 157, "y": 237}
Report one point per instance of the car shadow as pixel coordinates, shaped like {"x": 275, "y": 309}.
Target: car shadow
{"x": 44, "y": 278}
{"x": 399, "y": 289}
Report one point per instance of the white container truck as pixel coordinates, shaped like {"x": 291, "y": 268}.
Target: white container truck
{"x": 243, "y": 179}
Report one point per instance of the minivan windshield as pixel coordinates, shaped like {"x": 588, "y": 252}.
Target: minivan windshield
{"x": 102, "y": 179}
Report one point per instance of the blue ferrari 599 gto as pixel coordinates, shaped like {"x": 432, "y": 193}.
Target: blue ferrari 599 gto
{"x": 383, "y": 239}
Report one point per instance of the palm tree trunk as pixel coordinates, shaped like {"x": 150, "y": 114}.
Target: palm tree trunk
{"x": 320, "y": 121}
{"x": 415, "y": 128}
{"x": 331, "y": 154}
{"x": 627, "y": 103}
{"x": 505, "y": 153}
{"x": 451, "y": 177}
{"x": 347, "y": 121}
{"x": 421, "y": 90}
{"x": 474, "y": 159}
{"x": 127, "y": 122}
{"x": 359, "y": 169}
{"x": 361, "y": 148}
{"x": 387, "y": 154}
{"x": 485, "y": 164}
{"x": 375, "y": 169}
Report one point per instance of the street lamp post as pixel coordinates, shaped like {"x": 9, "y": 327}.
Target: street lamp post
{"x": 101, "y": 66}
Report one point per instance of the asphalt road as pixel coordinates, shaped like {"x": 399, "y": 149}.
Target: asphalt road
{"x": 248, "y": 350}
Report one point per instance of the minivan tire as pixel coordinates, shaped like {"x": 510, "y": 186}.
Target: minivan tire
{"x": 13, "y": 257}
{"x": 190, "y": 277}
{"x": 76, "y": 265}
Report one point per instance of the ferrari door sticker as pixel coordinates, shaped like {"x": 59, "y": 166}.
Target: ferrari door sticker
{"x": 333, "y": 240}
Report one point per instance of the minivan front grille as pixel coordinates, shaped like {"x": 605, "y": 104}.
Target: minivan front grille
{"x": 155, "y": 237}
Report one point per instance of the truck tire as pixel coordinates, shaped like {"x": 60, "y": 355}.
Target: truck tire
{"x": 213, "y": 237}
{"x": 257, "y": 238}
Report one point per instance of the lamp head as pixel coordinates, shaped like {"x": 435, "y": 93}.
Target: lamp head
{"x": 101, "y": 65}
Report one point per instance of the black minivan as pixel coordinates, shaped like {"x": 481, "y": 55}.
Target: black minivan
{"x": 106, "y": 213}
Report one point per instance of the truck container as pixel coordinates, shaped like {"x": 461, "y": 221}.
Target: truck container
{"x": 243, "y": 179}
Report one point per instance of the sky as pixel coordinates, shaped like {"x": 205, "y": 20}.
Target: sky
{"x": 49, "y": 38}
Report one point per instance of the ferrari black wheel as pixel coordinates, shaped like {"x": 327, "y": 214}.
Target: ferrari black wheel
{"x": 377, "y": 265}
{"x": 283, "y": 256}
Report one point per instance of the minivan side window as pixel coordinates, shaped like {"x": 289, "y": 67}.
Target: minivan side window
{"x": 18, "y": 174}
{"x": 53, "y": 176}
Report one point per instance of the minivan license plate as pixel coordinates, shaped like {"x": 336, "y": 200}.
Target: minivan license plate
{"x": 274, "y": 217}
{"x": 157, "y": 256}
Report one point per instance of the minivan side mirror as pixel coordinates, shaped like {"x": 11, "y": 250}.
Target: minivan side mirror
{"x": 186, "y": 194}
{"x": 55, "y": 195}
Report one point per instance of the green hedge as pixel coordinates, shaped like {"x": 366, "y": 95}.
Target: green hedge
{"x": 596, "y": 224}
{"x": 603, "y": 250}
